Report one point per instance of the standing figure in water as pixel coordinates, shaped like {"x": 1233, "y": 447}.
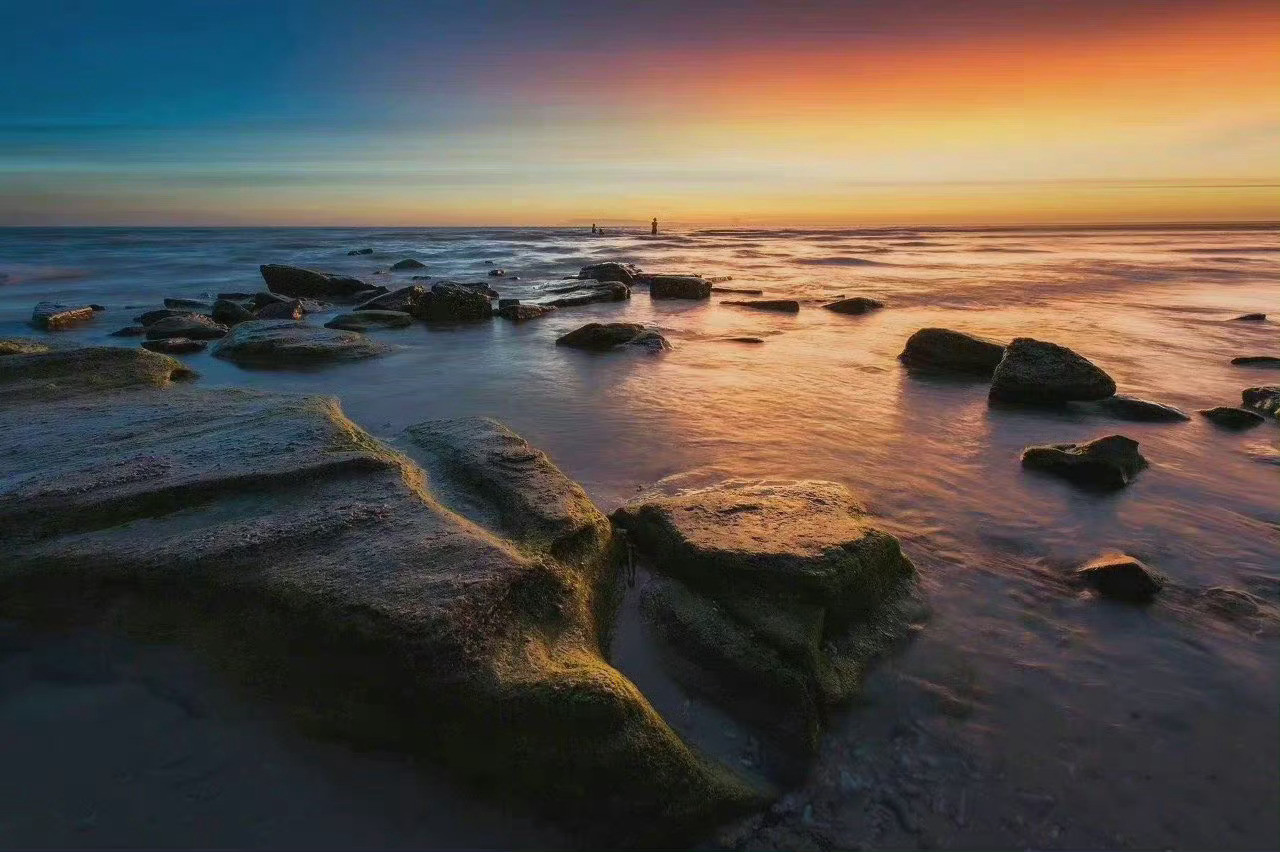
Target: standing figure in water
{"x": 593, "y": 227}
{"x": 653, "y": 226}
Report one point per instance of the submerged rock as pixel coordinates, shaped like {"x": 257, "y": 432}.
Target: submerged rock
{"x": 1233, "y": 418}
{"x": 743, "y": 339}
{"x": 308, "y": 284}
{"x": 1141, "y": 410}
{"x": 229, "y": 313}
{"x": 786, "y": 306}
{"x": 52, "y": 316}
{"x": 1231, "y": 603}
{"x": 520, "y": 313}
{"x": 188, "y": 304}
{"x": 1249, "y": 318}
{"x": 175, "y": 345}
{"x": 741, "y": 291}
{"x": 129, "y": 331}
{"x": 193, "y": 327}
{"x": 1256, "y": 361}
{"x": 291, "y": 309}
{"x": 235, "y": 296}
{"x": 1040, "y": 372}
{"x": 408, "y": 263}
{"x": 1121, "y": 577}
{"x": 410, "y": 300}
{"x": 1264, "y": 399}
{"x": 155, "y": 316}
{"x": 679, "y": 287}
{"x": 773, "y": 596}
{"x": 856, "y": 305}
{"x": 355, "y": 252}
{"x": 369, "y": 320}
{"x": 1105, "y": 463}
{"x": 292, "y": 343}
{"x": 624, "y": 272}
{"x": 944, "y": 349}
{"x": 588, "y": 292}
{"x": 604, "y": 336}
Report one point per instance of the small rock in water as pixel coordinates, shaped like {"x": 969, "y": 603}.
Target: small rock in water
{"x": 601, "y": 337}
{"x": 744, "y": 340}
{"x": 450, "y": 301}
{"x": 1039, "y": 372}
{"x": 1108, "y": 463}
{"x": 520, "y": 313}
{"x": 130, "y": 331}
{"x": 98, "y": 308}
{"x": 281, "y": 310}
{"x": 408, "y": 263}
{"x": 497, "y": 273}
{"x": 196, "y": 304}
{"x": 1257, "y": 361}
{"x": 229, "y": 313}
{"x": 588, "y": 292}
{"x": 235, "y": 296}
{"x": 1141, "y": 410}
{"x": 624, "y": 272}
{"x": 366, "y": 320}
{"x": 52, "y": 316}
{"x": 679, "y": 287}
{"x": 308, "y": 284}
{"x": 1233, "y": 418}
{"x": 786, "y": 306}
{"x": 410, "y": 300}
{"x": 354, "y": 252}
{"x": 1121, "y": 577}
{"x": 1264, "y": 399}
{"x": 290, "y": 343}
{"x": 1249, "y": 318}
{"x": 1230, "y": 603}
{"x": 944, "y": 349}
{"x": 856, "y": 305}
{"x": 194, "y": 327}
{"x": 175, "y": 345}
{"x": 741, "y": 291}
{"x": 503, "y": 303}
{"x": 163, "y": 313}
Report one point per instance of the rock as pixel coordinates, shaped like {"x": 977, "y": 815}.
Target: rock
{"x": 322, "y": 568}
{"x": 1257, "y": 361}
{"x": 1121, "y": 577}
{"x": 355, "y": 252}
{"x": 1231, "y": 603}
{"x": 604, "y": 336}
{"x": 1264, "y": 399}
{"x": 520, "y": 313}
{"x": 1141, "y": 410}
{"x": 52, "y": 316}
{"x": 235, "y": 297}
{"x": 679, "y": 287}
{"x": 452, "y": 302}
{"x": 773, "y": 596}
{"x": 369, "y": 320}
{"x": 187, "y": 304}
{"x": 291, "y": 343}
{"x": 408, "y": 263}
{"x": 419, "y": 277}
{"x": 309, "y": 284}
{"x": 944, "y": 349}
{"x": 175, "y": 345}
{"x": 590, "y": 291}
{"x": 1233, "y": 418}
{"x": 478, "y": 286}
{"x": 743, "y": 340}
{"x": 31, "y": 373}
{"x": 650, "y": 340}
{"x": 410, "y": 300}
{"x": 192, "y": 327}
{"x": 1249, "y": 318}
{"x": 97, "y": 308}
{"x": 624, "y": 272}
{"x": 785, "y": 306}
{"x": 129, "y": 331}
{"x": 855, "y": 305}
{"x": 23, "y": 346}
{"x": 263, "y": 298}
{"x": 741, "y": 291}
{"x": 1039, "y": 372}
{"x": 497, "y": 273}
{"x": 163, "y": 313}
{"x": 281, "y": 310}
{"x": 1106, "y": 463}
{"x": 506, "y": 303}
{"x": 229, "y": 313}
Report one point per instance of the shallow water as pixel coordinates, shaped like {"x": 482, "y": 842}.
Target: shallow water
{"x": 825, "y": 397}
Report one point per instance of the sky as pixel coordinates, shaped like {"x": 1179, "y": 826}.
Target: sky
{"x": 879, "y": 112}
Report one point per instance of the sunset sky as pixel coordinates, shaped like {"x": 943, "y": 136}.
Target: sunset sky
{"x": 861, "y": 113}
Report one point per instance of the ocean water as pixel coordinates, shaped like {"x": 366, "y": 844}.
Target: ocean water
{"x": 1062, "y": 679}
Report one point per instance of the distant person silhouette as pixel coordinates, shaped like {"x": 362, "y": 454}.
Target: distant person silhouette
{"x": 653, "y": 226}
{"x": 593, "y": 227}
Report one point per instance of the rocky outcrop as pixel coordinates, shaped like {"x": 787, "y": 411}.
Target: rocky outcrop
{"x": 1141, "y": 410}
{"x": 408, "y": 263}
{"x": 521, "y": 313}
{"x": 192, "y": 327}
{"x": 1232, "y": 418}
{"x": 450, "y": 301}
{"x": 856, "y": 305}
{"x": 1121, "y": 577}
{"x": 770, "y": 596}
{"x": 602, "y": 337}
{"x": 784, "y": 306}
{"x": 410, "y": 300}
{"x": 292, "y": 343}
{"x": 1105, "y": 463}
{"x": 1039, "y": 372}
{"x": 1264, "y": 399}
{"x": 229, "y": 313}
{"x": 33, "y": 373}
{"x": 155, "y": 316}
{"x": 291, "y": 310}
{"x": 588, "y": 292}
{"x": 679, "y": 287}
{"x": 175, "y": 345}
{"x": 52, "y": 316}
{"x": 624, "y": 272}
{"x": 956, "y": 351}
{"x": 1256, "y": 361}
{"x": 308, "y": 284}
{"x": 370, "y": 320}
{"x": 324, "y": 570}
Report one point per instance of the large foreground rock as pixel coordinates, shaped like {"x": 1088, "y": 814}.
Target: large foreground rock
{"x": 292, "y": 343}
{"x": 944, "y": 349}
{"x": 1104, "y": 463}
{"x": 1039, "y": 372}
{"x": 321, "y": 569}
{"x": 624, "y": 272}
{"x": 771, "y": 596}
{"x": 309, "y": 284}
{"x": 679, "y": 287}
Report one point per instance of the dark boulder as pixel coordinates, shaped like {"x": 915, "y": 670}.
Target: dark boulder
{"x": 589, "y": 292}
{"x": 229, "y": 313}
{"x": 282, "y": 310}
{"x": 308, "y": 284}
{"x": 52, "y": 316}
{"x": 740, "y": 291}
{"x": 624, "y": 272}
{"x": 856, "y": 305}
{"x": 1249, "y": 318}
{"x": 679, "y": 287}
{"x": 743, "y": 339}
{"x": 1105, "y": 463}
{"x": 449, "y": 301}
{"x": 130, "y": 331}
{"x": 944, "y": 349}
{"x": 520, "y": 313}
{"x": 1256, "y": 361}
{"x": 293, "y": 343}
{"x": 175, "y": 345}
{"x": 1233, "y": 418}
{"x": 1039, "y": 372}
{"x": 97, "y": 308}
{"x": 651, "y": 340}
{"x": 370, "y": 320}
{"x": 410, "y": 300}
{"x": 1121, "y": 577}
{"x": 782, "y": 306}
{"x": 1264, "y": 399}
{"x": 408, "y": 263}
{"x": 505, "y": 303}
{"x": 604, "y": 336}
{"x": 1141, "y": 410}
{"x": 263, "y": 298}
{"x": 188, "y": 304}
{"x": 497, "y": 273}
{"x": 235, "y": 296}
{"x": 164, "y": 313}
{"x": 355, "y": 252}
{"x": 192, "y": 327}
